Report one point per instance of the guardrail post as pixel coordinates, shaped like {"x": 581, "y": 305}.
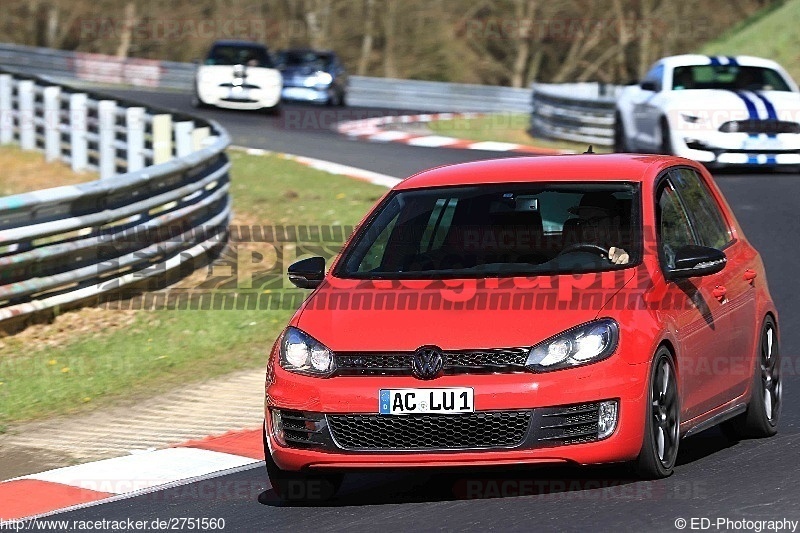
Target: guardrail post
{"x": 134, "y": 123}
{"x": 27, "y": 126}
{"x": 183, "y": 138}
{"x": 6, "y": 111}
{"x": 52, "y": 123}
{"x": 199, "y": 135}
{"x": 107, "y": 118}
{"x": 79, "y": 145}
{"x": 162, "y": 139}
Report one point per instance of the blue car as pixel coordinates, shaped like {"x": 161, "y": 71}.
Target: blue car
{"x": 312, "y": 76}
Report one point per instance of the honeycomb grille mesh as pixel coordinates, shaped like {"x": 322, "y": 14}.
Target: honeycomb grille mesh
{"x": 500, "y": 429}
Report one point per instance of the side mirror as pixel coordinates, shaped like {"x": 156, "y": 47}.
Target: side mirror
{"x": 648, "y": 86}
{"x": 307, "y": 273}
{"x": 691, "y": 261}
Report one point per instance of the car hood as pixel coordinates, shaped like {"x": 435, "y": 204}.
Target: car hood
{"x": 224, "y": 74}
{"x": 299, "y": 72}
{"x": 734, "y": 106}
{"x": 469, "y": 314}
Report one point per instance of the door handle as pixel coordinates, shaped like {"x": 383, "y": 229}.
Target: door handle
{"x": 719, "y": 293}
{"x": 750, "y": 275}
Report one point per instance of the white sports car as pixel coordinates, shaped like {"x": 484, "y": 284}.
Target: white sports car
{"x": 238, "y": 75}
{"x": 719, "y": 110}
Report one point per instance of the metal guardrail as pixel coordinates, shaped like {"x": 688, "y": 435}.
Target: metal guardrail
{"x": 162, "y": 200}
{"x": 436, "y": 96}
{"x": 581, "y": 112}
{"x": 362, "y": 91}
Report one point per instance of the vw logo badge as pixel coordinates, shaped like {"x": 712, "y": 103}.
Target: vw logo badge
{"x": 427, "y": 362}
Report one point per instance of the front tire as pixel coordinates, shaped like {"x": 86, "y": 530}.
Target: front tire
{"x": 662, "y": 424}
{"x": 763, "y": 412}
{"x": 620, "y": 139}
{"x": 666, "y": 137}
{"x": 274, "y": 111}
{"x": 300, "y": 486}
{"x": 197, "y": 102}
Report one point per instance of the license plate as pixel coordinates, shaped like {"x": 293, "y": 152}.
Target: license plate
{"x": 759, "y": 143}
{"x": 238, "y": 93}
{"x": 430, "y": 401}
{"x": 299, "y": 93}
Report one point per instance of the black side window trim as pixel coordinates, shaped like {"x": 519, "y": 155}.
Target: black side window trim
{"x": 690, "y": 216}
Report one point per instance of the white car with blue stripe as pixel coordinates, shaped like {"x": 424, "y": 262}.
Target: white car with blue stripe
{"x": 719, "y": 110}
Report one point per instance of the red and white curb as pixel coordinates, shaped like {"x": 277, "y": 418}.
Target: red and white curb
{"x": 329, "y": 167}
{"x": 377, "y": 129}
{"x": 72, "y": 487}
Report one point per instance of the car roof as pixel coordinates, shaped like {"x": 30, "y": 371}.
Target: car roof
{"x": 306, "y": 51}
{"x": 699, "y": 59}
{"x": 233, "y": 42}
{"x": 558, "y": 168}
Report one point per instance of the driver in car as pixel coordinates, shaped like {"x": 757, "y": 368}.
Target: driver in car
{"x": 598, "y": 222}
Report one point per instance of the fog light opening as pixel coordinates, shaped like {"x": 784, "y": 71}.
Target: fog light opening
{"x": 277, "y": 427}
{"x": 607, "y": 418}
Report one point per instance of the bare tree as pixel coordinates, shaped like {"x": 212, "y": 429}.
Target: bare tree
{"x": 129, "y": 22}
{"x": 366, "y": 40}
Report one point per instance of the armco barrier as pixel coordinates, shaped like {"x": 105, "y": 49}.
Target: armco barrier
{"x": 581, "y": 112}
{"x": 362, "y": 90}
{"x": 161, "y": 200}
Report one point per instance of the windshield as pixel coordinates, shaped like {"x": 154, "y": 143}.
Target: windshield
{"x": 497, "y": 230}
{"x": 731, "y": 77}
{"x": 251, "y": 56}
{"x": 312, "y": 60}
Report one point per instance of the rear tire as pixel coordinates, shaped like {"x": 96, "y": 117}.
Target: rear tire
{"x": 662, "y": 424}
{"x": 292, "y": 486}
{"x": 763, "y": 412}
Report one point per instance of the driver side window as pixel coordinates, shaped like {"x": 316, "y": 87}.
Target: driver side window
{"x": 673, "y": 229}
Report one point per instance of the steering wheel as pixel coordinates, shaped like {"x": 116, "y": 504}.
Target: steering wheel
{"x": 585, "y": 247}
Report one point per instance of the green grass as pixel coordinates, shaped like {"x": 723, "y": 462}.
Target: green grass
{"x": 771, "y": 33}
{"x": 166, "y": 348}
{"x": 502, "y": 127}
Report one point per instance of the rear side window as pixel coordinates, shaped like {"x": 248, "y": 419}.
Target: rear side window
{"x": 704, "y": 214}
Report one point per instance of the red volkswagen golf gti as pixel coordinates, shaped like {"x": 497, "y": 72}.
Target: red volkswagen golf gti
{"x": 570, "y": 309}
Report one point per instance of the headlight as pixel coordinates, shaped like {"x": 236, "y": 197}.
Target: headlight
{"x": 302, "y": 354}
{"x": 691, "y": 119}
{"x": 318, "y": 79}
{"x": 581, "y": 345}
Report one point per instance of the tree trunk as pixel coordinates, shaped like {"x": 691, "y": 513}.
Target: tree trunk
{"x": 366, "y": 41}
{"x": 128, "y": 24}
{"x": 623, "y": 39}
{"x": 525, "y": 10}
{"x": 389, "y": 25}
{"x": 646, "y": 38}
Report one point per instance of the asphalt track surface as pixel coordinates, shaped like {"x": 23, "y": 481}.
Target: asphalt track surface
{"x": 714, "y": 478}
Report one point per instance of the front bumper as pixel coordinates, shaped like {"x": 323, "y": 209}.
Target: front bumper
{"x": 260, "y": 98}
{"x": 722, "y": 149}
{"x": 306, "y": 94}
{"x": 538, "y": 393}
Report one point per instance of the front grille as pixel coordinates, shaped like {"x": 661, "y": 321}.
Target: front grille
{"x": 504, "y": 360}
{"x": 247, "y": 86}
{"x": 572, "y": 424}
{"x": 754, "y": 127}
{"x": 489, "y": 429}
